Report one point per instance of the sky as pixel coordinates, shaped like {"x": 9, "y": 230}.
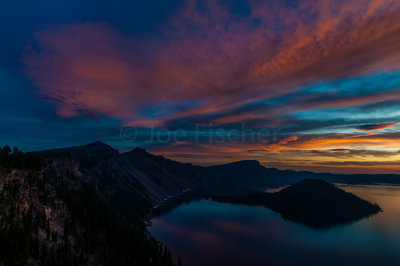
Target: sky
{"x": 295, "y": 84}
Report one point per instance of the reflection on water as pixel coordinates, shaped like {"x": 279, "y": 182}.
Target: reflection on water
{"x": 209, "y": 233}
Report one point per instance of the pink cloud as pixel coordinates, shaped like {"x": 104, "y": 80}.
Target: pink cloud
{"x": 212, "y": 56}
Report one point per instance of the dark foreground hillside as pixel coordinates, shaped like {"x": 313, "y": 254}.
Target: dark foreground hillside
{"x": 50, "y": 216}
{"x": 313, "y": 202}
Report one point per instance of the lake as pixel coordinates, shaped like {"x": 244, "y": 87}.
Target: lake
{"x": 207, "y": 233}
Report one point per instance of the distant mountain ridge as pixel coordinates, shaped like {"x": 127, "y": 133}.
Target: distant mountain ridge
{"x": 162, "y": 178}
{"x": 250, "y": 174}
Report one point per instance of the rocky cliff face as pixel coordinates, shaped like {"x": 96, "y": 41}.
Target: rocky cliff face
{"x": 31, "y": 212}
{"x": 84, "y": 205}
{"x": 152, "y": 178}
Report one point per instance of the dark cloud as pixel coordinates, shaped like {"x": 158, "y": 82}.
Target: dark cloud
{"x": 348, "y": 153}
{"x": 371, "y": 127}
{"x": 361, "y": 163}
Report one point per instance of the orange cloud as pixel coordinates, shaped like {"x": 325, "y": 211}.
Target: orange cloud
{"x": 287, "y": 140}
{"x": 337, "y": 142}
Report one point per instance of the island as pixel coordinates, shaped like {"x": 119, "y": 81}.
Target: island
{"x": 312, "y": 202}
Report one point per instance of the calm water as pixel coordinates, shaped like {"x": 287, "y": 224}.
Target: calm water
{"x": 206, "y": 233}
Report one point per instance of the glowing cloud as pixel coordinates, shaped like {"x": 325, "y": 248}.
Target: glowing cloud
{"x": 211, "y": 54}
{"x": 287, "y": 140}
{"x": 321, "y": 66}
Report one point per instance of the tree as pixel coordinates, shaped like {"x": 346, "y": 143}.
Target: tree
{"x": 54, "y": 237}
{"x": 44, "y": 252}
{"x": 180, "y": 263}
{"x": 6, "y": 150}
{"x": 35, "y": 247}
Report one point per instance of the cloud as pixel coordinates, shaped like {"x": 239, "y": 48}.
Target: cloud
{"x": 360, "y": 163}
{"x": 323, "y": 67}
{"x": 212, "y": 56}
{"x": 339, "y": 141}
{"x": 286, "y": 140}
{"x": 371, "y": 127}
{"x": 353, "y": 153}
